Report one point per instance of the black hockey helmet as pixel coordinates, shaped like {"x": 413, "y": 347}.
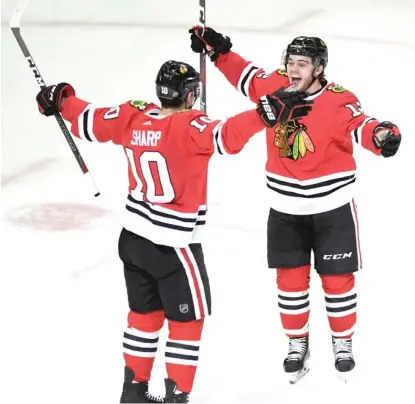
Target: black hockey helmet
{"x": 175, "y": 80}
{"x": 308, "y": 46}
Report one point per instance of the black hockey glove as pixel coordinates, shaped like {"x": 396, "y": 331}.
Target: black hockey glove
{"x": 209, "y": 41}
{"x": 49, "y": 99}
{"x": 282, "y": 106}
{"x": 387, "y": 138}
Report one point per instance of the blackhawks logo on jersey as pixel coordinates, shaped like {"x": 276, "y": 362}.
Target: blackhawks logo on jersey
{"x": 292, "y": 140}
{"x": 281, "y": 71}
{"x": 336, "y": 88}
{"x": 141, "y": 105}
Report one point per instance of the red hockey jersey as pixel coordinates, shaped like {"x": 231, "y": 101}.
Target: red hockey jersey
{"x": 310, "y": 166}
{"x": 168, "y": 159}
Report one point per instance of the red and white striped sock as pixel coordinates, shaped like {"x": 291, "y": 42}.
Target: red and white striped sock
{"x": 293, "y": 300}
{"x": 182, "y": 352}
{"x": 140, "y": 343}
{"x": 341, "y": 303}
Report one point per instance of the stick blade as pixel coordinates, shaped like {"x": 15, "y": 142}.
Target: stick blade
{"x": 17, "y": 13}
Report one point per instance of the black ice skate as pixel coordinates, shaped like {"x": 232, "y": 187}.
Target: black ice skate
{"x": 296, "y": 362}
{"x": 136, "y": 392}
{"x": 172, "y": 396}
{"x": 343, "y": 355}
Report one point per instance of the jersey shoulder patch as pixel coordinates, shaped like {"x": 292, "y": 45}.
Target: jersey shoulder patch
{"x": 141, "y": 105}
{"x": 336, "y": 88}
{"x": 282, "y": 72}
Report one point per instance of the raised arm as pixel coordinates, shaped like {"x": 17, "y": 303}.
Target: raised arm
{"x": 87, "y": 122}
{"x": 250, "y": 80}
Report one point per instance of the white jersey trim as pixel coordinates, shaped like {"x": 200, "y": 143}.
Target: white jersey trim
{"x": 311, "y": 196}
{"x": 218, "y": 140}
{"x": 164, "y": 226}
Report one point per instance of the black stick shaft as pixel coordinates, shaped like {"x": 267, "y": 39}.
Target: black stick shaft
{"x": 202, "y": 23}
{"x": 59, "y": 119}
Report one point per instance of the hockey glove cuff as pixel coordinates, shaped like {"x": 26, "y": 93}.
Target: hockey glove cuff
{"x": 387, "y": 138}
{"x": 49, "y": 99}
{"x": 209, "y": 41}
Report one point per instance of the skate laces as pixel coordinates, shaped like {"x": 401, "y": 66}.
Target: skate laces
{"x": 153, "y": 398}
{"x": 297, "y": 347}
{"x": 342, "y": 348}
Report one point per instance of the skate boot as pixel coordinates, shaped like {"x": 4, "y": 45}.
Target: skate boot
{"x": 172, "y": 396}
{"x": 343, "y": 355}
{"x": 136, "y": 392}
{"x": 296, "y": 362}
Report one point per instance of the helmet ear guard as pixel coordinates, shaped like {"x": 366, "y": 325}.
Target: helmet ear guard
{"x": 195, "y": 90}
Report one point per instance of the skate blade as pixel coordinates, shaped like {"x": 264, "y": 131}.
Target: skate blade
{"x": 295, "y": 377}
{"x": 345, "y": 377}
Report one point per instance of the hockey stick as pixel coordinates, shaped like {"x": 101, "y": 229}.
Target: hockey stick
{"x": 15, "y": 27}
{"x": 202, "y": 22}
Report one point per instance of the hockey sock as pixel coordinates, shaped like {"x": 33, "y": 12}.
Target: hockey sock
{"x": 140, "y": 343}
{"x": 341, "y": 302}
{"x": 293, "y": 299}
{"x": 182, "y": 352}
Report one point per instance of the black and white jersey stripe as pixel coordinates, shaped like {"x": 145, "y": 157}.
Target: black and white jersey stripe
{"x": 245, "y": 79}
{"x": 311, "y": 196}
{"x": 86, "y": 124}
{"x": 315, "y": 188}
{"x": 166, "y": 217}
{"x": 217, "y": 139}
{"x": 357, "y": 133}
{"x": 162, "y": 225}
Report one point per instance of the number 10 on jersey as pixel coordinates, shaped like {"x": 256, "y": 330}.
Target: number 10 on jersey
{"x": 153, "y": 185}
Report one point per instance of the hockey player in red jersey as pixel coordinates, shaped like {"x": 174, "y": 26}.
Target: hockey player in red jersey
{"x": 168, "y": 151}
{"x": 310, "y": 174}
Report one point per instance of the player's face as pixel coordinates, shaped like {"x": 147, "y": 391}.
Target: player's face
{"x": 300, "y": 71}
